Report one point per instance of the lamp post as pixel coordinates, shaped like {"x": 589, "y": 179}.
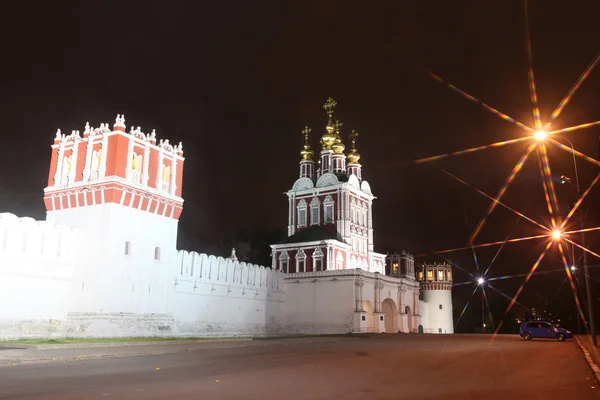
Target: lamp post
{"x": 586, "y": 272}
{"x": 480, "y": 282}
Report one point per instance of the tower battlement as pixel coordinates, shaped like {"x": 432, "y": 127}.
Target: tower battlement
{"x": 435, "y": 276}
{"x": 105, "y": 165}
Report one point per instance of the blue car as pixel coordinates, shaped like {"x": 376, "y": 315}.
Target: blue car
{"x": 544, "y": 330}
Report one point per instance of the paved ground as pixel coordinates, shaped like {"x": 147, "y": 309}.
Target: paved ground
{"x": 394, "y": 367}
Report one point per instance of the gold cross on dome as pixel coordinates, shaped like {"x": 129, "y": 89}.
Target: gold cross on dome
{"x": 329, "y": 106}
{"x": 306, "y": 131}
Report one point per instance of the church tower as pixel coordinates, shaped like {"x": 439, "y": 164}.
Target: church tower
{"x": 124, "y": 190}
{"x": 436, "y": 291}
{"x": 330, "y": 223}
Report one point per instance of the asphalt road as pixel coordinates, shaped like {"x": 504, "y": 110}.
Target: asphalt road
{"x": 394, "y": 367}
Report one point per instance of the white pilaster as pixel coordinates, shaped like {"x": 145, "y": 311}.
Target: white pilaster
{"x": 172, "y": 183}
{"x": 104, "y": 152}
{"x": 88, "y": 159}
{"x": 145, "y": 172}
{"x": 74, "y": 153}
{"x": 61, "y": 156}
{"x": 128, "y": 167}
{"x": 161, "y": 157}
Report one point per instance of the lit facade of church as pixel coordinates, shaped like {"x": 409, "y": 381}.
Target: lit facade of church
{"x": 330, "y": 222}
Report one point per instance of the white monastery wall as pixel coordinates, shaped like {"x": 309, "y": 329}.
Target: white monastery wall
{"x": 345, "y": 301}
{"x": 320, "y": 302}
{"x": 37, "y": 259}
{"x": 57, "y": 281}
{"x": 212, "y": 296}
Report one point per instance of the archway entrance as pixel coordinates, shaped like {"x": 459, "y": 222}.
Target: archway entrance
{"x": 370, "y": 320}
{"x": 409, "y": 318}
{"x": 388, "y": 307}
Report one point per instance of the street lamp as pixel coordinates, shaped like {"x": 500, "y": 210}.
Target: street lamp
{"x": 586, "y": 272}
{"x": 540, "y": 135}
{"x": 480, "y": 282}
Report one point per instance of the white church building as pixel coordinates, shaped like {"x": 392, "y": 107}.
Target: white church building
{"x": 105, "y": 262}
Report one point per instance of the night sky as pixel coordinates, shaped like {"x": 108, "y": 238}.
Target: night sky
{"x": 237, "y": 81}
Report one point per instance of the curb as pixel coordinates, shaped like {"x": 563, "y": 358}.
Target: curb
{"x": 590, "y": 361}
{"x": 117, "y": 344}
{"x": 7, "y": 362}
{"x": 90, "y": 357}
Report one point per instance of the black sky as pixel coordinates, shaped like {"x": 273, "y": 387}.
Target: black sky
{"x": 237, "y": 81}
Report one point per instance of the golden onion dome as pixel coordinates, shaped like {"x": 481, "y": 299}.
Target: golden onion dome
{"x": 353, "y": 156}
{"x": 338, "y": 147}
{"x": 307, "y": 153}
{"x": 328, "y": 139}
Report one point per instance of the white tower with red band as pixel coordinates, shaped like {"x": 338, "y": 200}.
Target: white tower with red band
{"x": 123, "y": 189}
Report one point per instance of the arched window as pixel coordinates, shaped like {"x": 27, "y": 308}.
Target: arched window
{"x": 157, "y": 253}
{"x": 283, "y": 261}
{"x": 302, "y": 208}
{"x": 128, "y": 248}
{"x": 328, "y": 217}
{"x": 300, "y": 261}
{"x": 440, "y": 306}
{"x": 318, "y": 260}
{"x": 315, "y": 213}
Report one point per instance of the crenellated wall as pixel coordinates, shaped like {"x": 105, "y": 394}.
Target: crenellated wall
{"x": 37, "y": 259}
{"x": 53, "y": 285}
{"x": 215, "y": 296}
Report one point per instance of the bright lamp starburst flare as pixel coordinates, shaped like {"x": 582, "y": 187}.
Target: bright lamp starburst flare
{"x": 540, "y": 136}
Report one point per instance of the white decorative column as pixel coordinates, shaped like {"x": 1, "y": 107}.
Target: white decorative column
{"x": 401, "y": 305}
{"x": 161, "y": 157}
{"x": 74, "y": 153}
{"x": 358, "y": 286}
{"x": 378, "y": 288}
{"x": 172, "y": 185}
{"x": 102, "y": 172}
{"x": 61, "y": 156}
{"x": 416, "y": 300}
{"x": 88, "y": 159}
{"x": 145, "y": 172}
{"x": 379, "y": 315}
{"x": 128, "y": 167}
{"x": 370, "y": 224}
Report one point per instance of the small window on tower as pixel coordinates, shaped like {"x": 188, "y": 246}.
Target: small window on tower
{"x": 395, "y": 267}
{"x": 440, "y": 275}
{"x": 440, "y": 306}
{"x": 421, "y": 275}
{"x": 157, "y": 253}
{"x": 128, "y": 248}
{"x": 429, "y": 275}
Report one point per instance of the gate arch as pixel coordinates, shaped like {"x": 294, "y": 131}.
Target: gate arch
{"x": 388, "y": 307}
